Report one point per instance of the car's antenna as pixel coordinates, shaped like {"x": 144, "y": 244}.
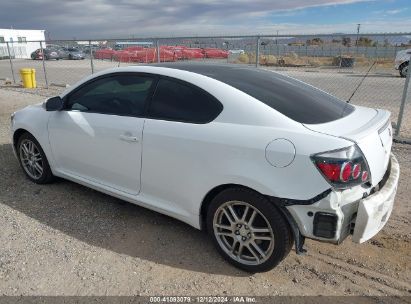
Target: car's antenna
{"x": 362, "y": 80}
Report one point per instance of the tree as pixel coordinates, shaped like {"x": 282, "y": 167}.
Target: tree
{"x": 364, "y": 41}
{"x": 315, "y": 41}
{"x": 346, "y": 41}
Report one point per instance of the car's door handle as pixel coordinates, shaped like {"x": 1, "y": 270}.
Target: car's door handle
{"x": 129, "y": 138}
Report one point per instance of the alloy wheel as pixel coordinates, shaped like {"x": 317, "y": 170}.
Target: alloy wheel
{"x": 31, "y": 159}
{"x": 243, "y": 232}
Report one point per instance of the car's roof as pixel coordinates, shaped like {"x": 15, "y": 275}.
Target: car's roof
{"x": 224, "y": 72}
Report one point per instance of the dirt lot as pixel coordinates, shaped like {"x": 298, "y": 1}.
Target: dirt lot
{"x": 65, "y": 239}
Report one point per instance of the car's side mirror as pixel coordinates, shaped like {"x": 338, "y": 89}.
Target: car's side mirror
{"x": 54, "y": 104}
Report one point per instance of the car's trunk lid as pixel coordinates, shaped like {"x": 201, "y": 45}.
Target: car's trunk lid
{"x": 371, "y": 130}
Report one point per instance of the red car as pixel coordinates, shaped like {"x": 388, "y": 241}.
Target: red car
{"x": 144, "y": 55}
{"x": 215, "y": 53}
{"x": 193, "y": 53}
{"x": 104, "y": 54}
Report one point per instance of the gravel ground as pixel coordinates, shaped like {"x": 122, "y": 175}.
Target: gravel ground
{"x": 66, "y": 239}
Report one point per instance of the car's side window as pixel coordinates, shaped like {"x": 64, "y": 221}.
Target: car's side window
{"x": 122, "y": 94}
{"x": 178, "y": 101}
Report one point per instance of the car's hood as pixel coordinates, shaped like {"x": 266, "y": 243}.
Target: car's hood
{"x": 38, "y": 105}
{"x": 371, "y": 130}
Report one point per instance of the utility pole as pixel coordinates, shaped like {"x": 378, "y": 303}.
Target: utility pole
{"x": 358, "y": 33}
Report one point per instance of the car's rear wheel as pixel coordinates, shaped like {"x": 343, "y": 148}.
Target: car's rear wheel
{"x": 404, "y": 69}
{"x": 248, "y": 230}
{"x": 33, "y": 160}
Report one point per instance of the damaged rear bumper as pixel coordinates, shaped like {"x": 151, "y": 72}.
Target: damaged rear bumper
{"x": 374, "y": 211}
{"x": 358, "y": 211}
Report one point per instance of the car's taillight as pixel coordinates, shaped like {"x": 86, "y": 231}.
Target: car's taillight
{"x": 343, "y": 168}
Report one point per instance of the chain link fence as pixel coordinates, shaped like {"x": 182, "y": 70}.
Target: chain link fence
{"x": 361, "y": 69}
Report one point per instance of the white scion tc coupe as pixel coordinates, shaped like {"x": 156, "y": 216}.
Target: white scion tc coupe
{"x": 260, "y": 160}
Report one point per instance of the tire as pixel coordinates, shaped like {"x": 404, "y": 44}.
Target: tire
{"x": 403, "y": 69}
{"x": 29, "y": 151}
{"x": 266, "y": 229}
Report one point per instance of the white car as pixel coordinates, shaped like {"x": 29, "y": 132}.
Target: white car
{"x": 260, "y": 160}
{"x": 402, "y": 60}
{"x": 236, "y": 52}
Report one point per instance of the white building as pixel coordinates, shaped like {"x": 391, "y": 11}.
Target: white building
{"x": 21, "y": 42}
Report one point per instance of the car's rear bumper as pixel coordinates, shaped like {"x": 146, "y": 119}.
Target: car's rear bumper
{"x": 356, "y": 211}
{"x": 374, "y": 211}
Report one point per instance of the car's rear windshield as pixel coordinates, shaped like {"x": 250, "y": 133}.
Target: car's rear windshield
{"x": 297, "y": 100}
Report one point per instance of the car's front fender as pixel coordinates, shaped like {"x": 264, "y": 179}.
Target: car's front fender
{"x": 34, "y": 119}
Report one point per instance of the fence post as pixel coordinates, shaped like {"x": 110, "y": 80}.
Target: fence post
{"x": 11, "y": 63}
{"x": 403, "y": 101}
{"x": 278, "y": 50}
{"x": 43, "y": 55}
{"x": 158, "y": 51}
{"x": 257, "y": 55}
{"x": 91, "y": 57}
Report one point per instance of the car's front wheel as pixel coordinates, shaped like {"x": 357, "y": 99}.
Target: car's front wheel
{"x": 404, "y": 69}
{"x": 33, "y": 160}
{"x": 248, "y": 230}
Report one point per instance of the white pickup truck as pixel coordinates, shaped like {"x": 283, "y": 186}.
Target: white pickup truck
{"x": 401, "y": 61}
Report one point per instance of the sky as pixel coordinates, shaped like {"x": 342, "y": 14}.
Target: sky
{"x": 97, "y": 19}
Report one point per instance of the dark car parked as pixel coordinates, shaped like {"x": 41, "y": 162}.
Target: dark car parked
{"x": 88, "y": 50}
{"x": 48, "y": 54}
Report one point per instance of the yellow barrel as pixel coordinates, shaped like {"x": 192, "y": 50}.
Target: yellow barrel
{"x": 33, "y": 78}
{"x": 28, "y": 77}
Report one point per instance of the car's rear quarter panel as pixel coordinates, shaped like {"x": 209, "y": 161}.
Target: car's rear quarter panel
{"x": 182, "y": 164}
